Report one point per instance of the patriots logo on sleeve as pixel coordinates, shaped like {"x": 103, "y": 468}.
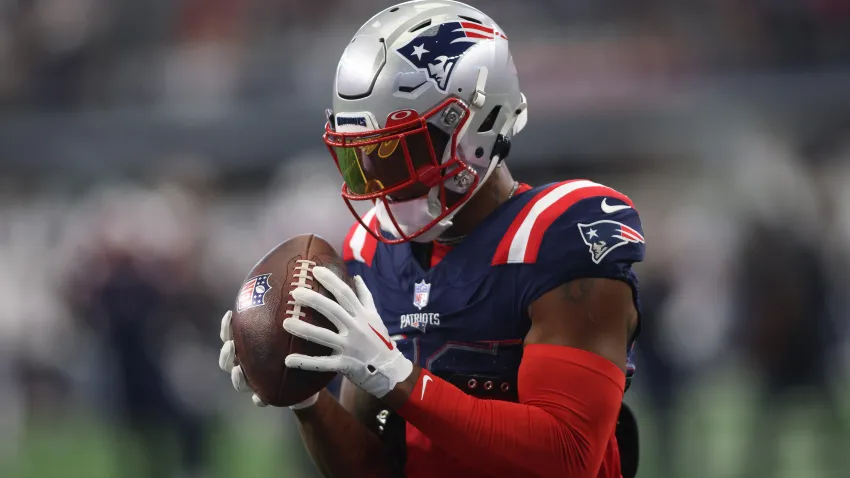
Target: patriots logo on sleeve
{"x": 604, "y": 236}
{"x": 436, "y": 50}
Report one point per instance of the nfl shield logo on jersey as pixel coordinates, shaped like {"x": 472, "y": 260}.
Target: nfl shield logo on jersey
{"x": 604, "y": 236}
{"x": 253, "y": 292}
{"x": 421, "y": 291}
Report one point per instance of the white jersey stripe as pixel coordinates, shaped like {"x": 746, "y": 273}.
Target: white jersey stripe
{"x": 520, "y": 240}
{"x": 358, "y": 239}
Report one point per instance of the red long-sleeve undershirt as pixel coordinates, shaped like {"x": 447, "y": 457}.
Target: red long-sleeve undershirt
{"x": 569, "y": 400}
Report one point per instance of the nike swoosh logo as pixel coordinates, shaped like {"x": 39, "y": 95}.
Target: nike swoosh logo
{"x": 425, "y": 380}
{"x": 385, "y": 341}
{"x": 609, "y": 209}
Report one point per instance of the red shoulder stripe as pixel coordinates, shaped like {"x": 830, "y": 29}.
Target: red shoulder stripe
{"x": 521, "y": 243}
{"x": 504, "y": 247}
{"x": 359, "y": 244}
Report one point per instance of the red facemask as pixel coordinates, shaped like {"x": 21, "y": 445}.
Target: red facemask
{"x": 401, "y": 162}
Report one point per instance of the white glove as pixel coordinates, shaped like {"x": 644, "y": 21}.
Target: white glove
{"x": 363, "y": 351}
{"x": 227, "y": 362}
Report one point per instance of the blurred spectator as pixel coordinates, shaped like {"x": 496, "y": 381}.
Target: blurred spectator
{"x": 138, "y": 294}
{"x": 789, "y": 337}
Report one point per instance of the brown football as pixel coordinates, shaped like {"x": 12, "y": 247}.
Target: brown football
{"x": 261, "y": 306}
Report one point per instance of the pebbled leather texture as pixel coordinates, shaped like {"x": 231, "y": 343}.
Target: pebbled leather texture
{"x": 261, "y": 342}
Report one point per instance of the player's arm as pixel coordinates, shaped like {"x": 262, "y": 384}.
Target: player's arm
{"x": 571, "y": 384}
{"x": 341, "y": 436}
{"x": 571, "y": 379}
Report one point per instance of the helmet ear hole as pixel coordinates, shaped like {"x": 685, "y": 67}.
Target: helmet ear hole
{"x": 490, "y": 120}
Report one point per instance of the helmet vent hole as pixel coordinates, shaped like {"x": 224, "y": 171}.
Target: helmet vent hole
{"x": 394, "y": 9}
{"x": 490, "y": 120}
{"x": 421, "y": 25}
{"x": 470, "y": 19}
{"x": 410, "y": 89}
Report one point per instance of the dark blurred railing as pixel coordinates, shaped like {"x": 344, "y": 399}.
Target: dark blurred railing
{"x": 261, "y": 134}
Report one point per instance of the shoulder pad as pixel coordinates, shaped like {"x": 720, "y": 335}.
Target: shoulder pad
{"x": 359, "y": 244}
{"x": 561, "y": 208}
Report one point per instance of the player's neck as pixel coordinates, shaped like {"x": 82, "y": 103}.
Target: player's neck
{"x": 493, "y": 193}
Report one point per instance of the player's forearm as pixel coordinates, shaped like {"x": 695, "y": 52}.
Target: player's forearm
{"x": 340, "y": 445}
{"x": 562, "y": 427}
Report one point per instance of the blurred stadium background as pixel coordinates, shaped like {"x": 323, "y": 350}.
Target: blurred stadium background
{"x": 151, "y": 151}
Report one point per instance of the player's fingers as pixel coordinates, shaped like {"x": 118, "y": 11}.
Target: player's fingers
{"x": 313, "y": 333}
{"x": 227, "y": 356}
{"x": 338, "y": 288}
{"x": 363, "y": 293}
{"x": 325, "y": 306}
{"x": 238, "y": 380}
{"x": 331, "y": 363}
{"x": 258, "y": 401}
{"x": 225, "y": 333}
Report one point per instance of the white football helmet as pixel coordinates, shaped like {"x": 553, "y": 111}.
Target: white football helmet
{"x": 426, "y": 101}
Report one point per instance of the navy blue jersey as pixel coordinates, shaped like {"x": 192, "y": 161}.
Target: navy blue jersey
{"x": 465, "y": 318}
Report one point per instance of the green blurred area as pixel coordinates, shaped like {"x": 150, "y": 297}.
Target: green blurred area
{"x": 713, "y": 438}
{"x": 87, "y": 447}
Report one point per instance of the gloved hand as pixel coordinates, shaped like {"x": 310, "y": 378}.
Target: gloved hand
{"x": 363, "y": 351}
{"x": 227, "y": 362}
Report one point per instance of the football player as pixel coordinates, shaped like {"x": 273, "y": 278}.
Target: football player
{"x": 489, "y": 329}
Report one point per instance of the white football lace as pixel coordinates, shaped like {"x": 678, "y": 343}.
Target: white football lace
{"x": 303, "y": 273}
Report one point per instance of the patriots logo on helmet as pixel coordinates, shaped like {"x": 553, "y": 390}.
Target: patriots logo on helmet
{"x": 436, "y": 50}
{"x": 604, "y": 236}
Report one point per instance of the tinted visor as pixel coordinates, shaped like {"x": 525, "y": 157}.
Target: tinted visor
{"x": 406, "y": 165}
